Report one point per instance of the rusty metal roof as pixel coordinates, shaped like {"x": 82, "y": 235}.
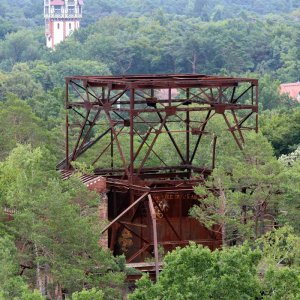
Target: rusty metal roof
{"x": 162, "y": 81}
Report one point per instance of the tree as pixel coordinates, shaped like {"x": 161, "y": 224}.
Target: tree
{"x": 12, "y": 286}
{"x": 269, "y": 94}
{"x": 281, "y": 128}
{"x": 280, "y": 247}
{"x": 20, "y": 46}
{"x": 289, "y": 72}
{"x": 290, "y": 159}
{"x": 243, "y": 193}
{"x": 20, "y": 82}
{"x": 6, "y": 26}
{"x": 195, "y": 272}
{"x": 57, "y": 225}
{"x": 269, "y": 269}
{"x": 92, "y": 294}
{"x": 72, "y": 67}
{"x": 290, "y": 206}
{"x": 24, "y": 127}
{"x": 281, "y": 283}
{"x": 280, "y": 264}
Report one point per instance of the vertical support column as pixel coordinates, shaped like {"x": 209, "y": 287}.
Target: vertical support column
{"x": 220, "y": 94}
{"x": 131, "y": 167}
{"x": 67, "y": 125}
{"x": 131, "y": 164}
{"x": 154, "y": 229}
{"x": 187, "y": 130}
{"x": 111, "y": 150}
{"x": 256, "y": 102}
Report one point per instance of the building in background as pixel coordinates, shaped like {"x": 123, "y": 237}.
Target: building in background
{"x": 62, "y": 17}
{"x": 292, "y": 89}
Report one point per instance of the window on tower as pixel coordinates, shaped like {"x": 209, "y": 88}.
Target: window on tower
{"x": 57, "y": 25}
{"x": 57, "y": 9}
{"x": 70, "y": 25}
{"x": 71, "y": 10}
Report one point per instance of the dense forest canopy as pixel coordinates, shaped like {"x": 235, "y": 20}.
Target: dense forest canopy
{"x": 29, "y": 13}
{"x": 252, "y": 38}
{"x": 264, "y": 46}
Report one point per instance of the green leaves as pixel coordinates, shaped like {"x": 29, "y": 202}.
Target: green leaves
{"x": 24, "y": 127}
{"x": 281, "y": 247}
{"x": 57, "y": 224}
{"x": 239, "y": 272}
{"x": 282, "y": 129}
{"x": 12, "y": 286}
{"x": 281, "y": 283}
{"x": 92, "y": 294}
{"x": 195, "y": 272}
{"x": 235, "y": 194}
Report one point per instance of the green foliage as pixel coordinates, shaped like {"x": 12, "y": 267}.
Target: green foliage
{"x": 22, "y": 13}
{"x": 282, "y": 129}
{"x": 195, "y": 272}
{"x": 280, "y": 265}
{"x": 8, "y": 254}
{"x": 238, "y": 272}
{"x": 20, "y": 46}
{"x": 280, "y": 246}
{"x": 28, "y": 13}
{"x": 53, "y": 75}
{"x": 56, "y": 218}
{"x": 291, "y": 158}
{"x": 281, "y": 283}
{"x": 12, "y": 286}
{"x": 27, "y": 294}
{"x": 20, "y": 82}
{"x": 269, "y": 94}
{"x": 166, "y": 44}
{"x": 233, "y": 196}
{"x": 290, "y": 206}
{"x": 92, "y": 294}
{"x": 24, "y": 127}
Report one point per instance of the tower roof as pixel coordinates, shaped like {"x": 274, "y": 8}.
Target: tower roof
{"x": 292, "y": 89}
{"x": 57, "y": 2}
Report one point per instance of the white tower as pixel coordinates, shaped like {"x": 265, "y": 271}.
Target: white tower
{"x": 62, "y": 17}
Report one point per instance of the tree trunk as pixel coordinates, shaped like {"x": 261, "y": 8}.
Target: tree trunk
{"x": 193, "y": 61}
{"x": 222, "y": 212}
{"x": 39, "y": 281}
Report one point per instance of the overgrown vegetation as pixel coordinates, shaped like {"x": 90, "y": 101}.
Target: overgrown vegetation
{"x": 58, "y": 234}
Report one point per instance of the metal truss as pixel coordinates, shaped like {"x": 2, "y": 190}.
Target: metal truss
{"x": 118, "y": 123}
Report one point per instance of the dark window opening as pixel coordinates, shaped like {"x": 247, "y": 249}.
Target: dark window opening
{"x": 57, "y": 9}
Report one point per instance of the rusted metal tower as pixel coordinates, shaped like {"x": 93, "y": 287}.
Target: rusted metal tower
{"x": 143, "y": 134}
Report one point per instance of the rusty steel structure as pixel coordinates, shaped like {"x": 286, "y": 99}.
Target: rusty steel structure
{"x": 144, "y": 135}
